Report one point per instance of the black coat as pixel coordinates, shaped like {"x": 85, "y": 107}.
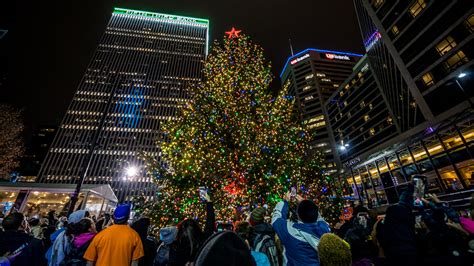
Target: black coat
{"x": 32, "y": 254}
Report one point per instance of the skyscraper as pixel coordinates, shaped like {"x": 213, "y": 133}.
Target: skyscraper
{"x": 136, "y": 79}
{"x": 312, "y": 76}
{"x": 420, "y": 56}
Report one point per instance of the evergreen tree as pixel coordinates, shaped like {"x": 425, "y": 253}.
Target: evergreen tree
{"x": 237, "y": 140}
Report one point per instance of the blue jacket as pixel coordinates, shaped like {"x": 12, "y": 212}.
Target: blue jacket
{"x": 300, "y": 240}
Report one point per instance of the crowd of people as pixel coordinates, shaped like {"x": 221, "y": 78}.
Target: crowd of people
{"x": 293, "y": 233}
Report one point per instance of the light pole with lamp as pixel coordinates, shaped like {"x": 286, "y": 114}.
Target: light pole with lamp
{"x": 460, "y": 76}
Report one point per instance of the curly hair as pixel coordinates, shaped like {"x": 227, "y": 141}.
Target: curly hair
{"x": 334, "y": 251}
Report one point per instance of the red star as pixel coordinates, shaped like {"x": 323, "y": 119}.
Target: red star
{"x": 233, "y": 33}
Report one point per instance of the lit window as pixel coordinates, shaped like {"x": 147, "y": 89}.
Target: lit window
{"x": 378, "y": 3}
{"x": 326, "y": 80}
{"x": 389, "y": 120}
{"x": 359, "y": 74}
{"x": 308, "y": 98}
{"x": 320, "y": 75}
{"x": 395, "y": 30}
{"x": 346, "y": 87}
{"x": 341, "y": 93}
{"x": 446, "y": 45}
{"x": 413, "y": 104}
{"x": 469, "y": 22}
{"x": 417, "y": 7}
{"x": 456, "y": 60}
{"x": 345, "y": 103}
{"x": 366, "y": 118}
{"x": 372, "y": 131}
{"x": 428, "y": 79}
{"x": 306, "y": 88}
{"x": 310, "y": 76}
{"x": 371, "y": 106}
{"x": 335, "y": 85}
{"x": 362, "y": 104}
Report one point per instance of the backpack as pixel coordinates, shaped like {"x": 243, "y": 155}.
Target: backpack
{"x": 162, "y": 255}
{"x": 75, "y": 256}
{"x": 266, "y": 244}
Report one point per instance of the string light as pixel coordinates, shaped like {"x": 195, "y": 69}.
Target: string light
{"x": 245, "y": 145}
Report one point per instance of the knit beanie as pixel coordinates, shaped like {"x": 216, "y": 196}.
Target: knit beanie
{"x": 307, "y": 211}
{"x": 334, "y": 251}
{"x": 225, "y": 248}
{"x": 257, "y": 216}
{"x": 122, "y": 213}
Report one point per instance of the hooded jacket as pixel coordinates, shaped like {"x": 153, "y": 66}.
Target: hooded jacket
{"x": 300, "y": 240}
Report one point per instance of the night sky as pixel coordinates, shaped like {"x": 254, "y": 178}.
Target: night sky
{"x": 51, "y": 42}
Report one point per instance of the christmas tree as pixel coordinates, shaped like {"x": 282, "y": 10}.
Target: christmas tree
{"x": 244, "y": 145}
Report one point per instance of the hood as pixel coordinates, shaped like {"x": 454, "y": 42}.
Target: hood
{"x": 81, "y": 239}
{"x": 168, "y": 234}
{"x": 263, "y": 228}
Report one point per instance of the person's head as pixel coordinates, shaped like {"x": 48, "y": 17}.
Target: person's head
{"x": 85, "y": 225}
{"x": 122, "y": 214}
{"x": 244, "y": 230}
{"x": 225, "y": 248}
{"x": 34, "y": 221}
{"x": 307, "y": 211}
{"x": 168, "y": 234}
{"x": 44, "y": 222}
{"x": 14, "y": 221}
{"x": 257, "y": 216}
{"x": 141, "y": 226}
{"x": 189, "y": 233}
{"x": 52, "y": 214}
{"x": 76, "y": 216}
{"x": 334, "y": 251}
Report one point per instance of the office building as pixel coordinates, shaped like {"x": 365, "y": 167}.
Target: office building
{"x": 420, "y": 54}
{"x": 312, "y": 76}
{"x": 136, "y": 79}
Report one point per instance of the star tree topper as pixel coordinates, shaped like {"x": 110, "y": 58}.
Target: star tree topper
{"x": 233, "y": 33}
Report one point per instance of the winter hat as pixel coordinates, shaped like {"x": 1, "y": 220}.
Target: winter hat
{"x": 225, "y": 248}
{"x": 334, "y": 251}
{"x": 122, "y": 213}
{"x": 307, "y": 211}
{"x": 257, "y": 216}
{"x": 168, "y": 234}
{"x": 76, "y": 216}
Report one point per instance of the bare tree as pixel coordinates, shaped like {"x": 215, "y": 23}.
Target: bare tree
{"x": 11, "y": 142}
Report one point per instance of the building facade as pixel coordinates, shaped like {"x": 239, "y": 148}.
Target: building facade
{"x": 420, "y": 55}
{"x": 312, "y": 76}
{"x": 135, "y": 81}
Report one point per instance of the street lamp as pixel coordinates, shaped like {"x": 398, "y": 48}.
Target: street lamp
{"x": 343, "y": 147}
{"x": 131, "y": 171}
{"x": 460, "y": 76}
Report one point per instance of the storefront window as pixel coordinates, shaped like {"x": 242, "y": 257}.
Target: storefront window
{"x": 433, "y": 145}
{"x": 405, "y": 157}
{"x": 7, "y": 199}
{"x": 393, "y": 161}
{"x": 467, "y": 171}
{"x": 451, "y": 138}
{"x": 449, "y": 177}
{"x": 42, "y": 202}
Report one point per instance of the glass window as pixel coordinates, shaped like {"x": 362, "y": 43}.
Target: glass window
{"x": 389, "y": 120}
{"x": 456, "y": 60}
{"x": 469, "y": 22}
{"x": 395, "y": 30}
{"x": 366, "y": 118}
{"x": 378, "y": 3}
{"x": 372, "y": 131}
{"x": 446, "y": 45}
{"x": 362, "y": 104}
{"x": 371, "y": 106}
{"x": 428, "y": 79}
{"x": 417, "y": 7}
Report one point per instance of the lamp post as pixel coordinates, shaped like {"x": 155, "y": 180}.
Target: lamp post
{"x": 460, "y": 76}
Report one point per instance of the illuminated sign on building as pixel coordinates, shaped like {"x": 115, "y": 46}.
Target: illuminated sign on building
{"x": 294, "y": 61}
{"x": 372, "y": 40}
{"x": 336, "y": 56}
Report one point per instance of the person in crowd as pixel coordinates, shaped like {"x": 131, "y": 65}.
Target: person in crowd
{"x": 35, "y": 227}
{"x": 18, "y": 247}
{"x": 190, "y": 236}
{"x": 358, "y": 236}
{"x": 377, "y": 238}
{"x": 52, "y": 219}
{"x": 244, "y": 230}
{"x": 263, "y": 237}
{"x": 61, "y": 242}
{"x": 81, "y": 234}
{"x": 334, "y": 251}
{"x": 103, "y": 222}
{"x": 150, "y": 246}
{"x": 350, "y": 223}
{"x": 300, "y": 239}
{"x": 399, "y": 240}
{"x": 167, "y": 237}
{"x": 116, "y": 245}
{"x": 224, "y": 248}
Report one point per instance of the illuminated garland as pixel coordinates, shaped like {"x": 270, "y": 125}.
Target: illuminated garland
{"x": 246, "y": 146}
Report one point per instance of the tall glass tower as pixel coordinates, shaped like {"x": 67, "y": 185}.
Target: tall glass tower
{"x": 137, "y": 77}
